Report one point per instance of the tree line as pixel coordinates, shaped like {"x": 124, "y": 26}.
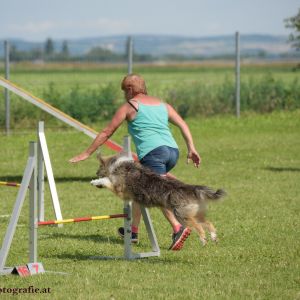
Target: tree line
{"x": 49, "y": 53}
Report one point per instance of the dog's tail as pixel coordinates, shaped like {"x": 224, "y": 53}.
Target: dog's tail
{"x": 206, "y": 193}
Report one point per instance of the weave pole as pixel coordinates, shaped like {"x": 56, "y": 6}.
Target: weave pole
{"x": 84, "y": 219}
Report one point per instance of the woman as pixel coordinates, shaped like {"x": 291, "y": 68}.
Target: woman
{"x": 147, "y": 119}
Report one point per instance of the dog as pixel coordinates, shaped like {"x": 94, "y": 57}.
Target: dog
{"x": 131, "y": 181}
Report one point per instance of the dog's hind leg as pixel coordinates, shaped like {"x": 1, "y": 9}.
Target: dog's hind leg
{"x": 207, "y": 225}
{"x": 198, "y": 227}
{"x": 212, "y": 230}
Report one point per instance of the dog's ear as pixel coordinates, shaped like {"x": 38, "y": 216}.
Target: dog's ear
{"x": 100, "y": 158}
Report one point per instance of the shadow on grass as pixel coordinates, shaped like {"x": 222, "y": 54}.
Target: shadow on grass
{"x": 104, "y": 256}
{"x": 92, "y": 237}
{"x": 80, "y": 256}
{"x": 73, "y": 254}
{"x": 282, "y": 169}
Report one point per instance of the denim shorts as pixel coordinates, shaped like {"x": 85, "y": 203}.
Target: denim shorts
{"x": 161, "y": 159}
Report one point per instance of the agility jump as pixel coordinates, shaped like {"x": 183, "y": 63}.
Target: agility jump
{"x": 30, "y": 178}
{"x": 33, "y": 174}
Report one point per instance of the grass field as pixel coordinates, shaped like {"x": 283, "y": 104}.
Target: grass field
{"x": 158, "y": 78}
{"x": 256, "y": 159}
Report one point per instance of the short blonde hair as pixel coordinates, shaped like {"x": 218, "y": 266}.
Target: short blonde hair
{"x": 136, "y": 83}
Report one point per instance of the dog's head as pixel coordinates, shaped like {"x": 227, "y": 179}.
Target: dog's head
{"x": 109, "y": 163}
{"x": 105, "y": 163}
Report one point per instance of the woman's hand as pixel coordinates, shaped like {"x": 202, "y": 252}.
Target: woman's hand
{"x": 80, "y": 157}
{"x": 195, "y": 157}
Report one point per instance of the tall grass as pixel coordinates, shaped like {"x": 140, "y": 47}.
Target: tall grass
{"x": 191, "y": 96}
{"x": 87, "y": 105}
{"x": 261, "y": 95}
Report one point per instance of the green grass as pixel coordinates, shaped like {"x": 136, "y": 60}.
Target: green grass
{"x": 256, "y": 159}
{"x": 158, "y": 78}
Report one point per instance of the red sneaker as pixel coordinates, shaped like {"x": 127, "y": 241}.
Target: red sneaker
{"x": 179, "y": 238}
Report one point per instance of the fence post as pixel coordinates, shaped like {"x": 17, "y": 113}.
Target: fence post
{"x": 6, "y": 91}
{"x": 237, "y": 73}
{"x": 129, "y": 53}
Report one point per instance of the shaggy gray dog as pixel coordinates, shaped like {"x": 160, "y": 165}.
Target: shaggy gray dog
{"x": 131, "y": 181}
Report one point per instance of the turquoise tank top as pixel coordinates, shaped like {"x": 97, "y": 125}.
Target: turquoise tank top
{"x": 150, "y": 129}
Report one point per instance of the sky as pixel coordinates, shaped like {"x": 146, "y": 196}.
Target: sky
{"x": 36, "y": 20}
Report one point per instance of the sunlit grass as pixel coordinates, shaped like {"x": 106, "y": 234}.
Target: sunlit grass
{"x": 256, "y": 159}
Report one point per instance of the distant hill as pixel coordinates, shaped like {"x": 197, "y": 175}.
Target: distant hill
{"x": 163, "y": 45}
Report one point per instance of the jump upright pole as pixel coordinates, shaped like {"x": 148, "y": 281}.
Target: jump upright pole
{"x": 28, "y": 178}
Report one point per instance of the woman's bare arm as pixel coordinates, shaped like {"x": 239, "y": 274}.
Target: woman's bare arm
{"x": 105, "y": 134}
{"x": 176, "y": 119}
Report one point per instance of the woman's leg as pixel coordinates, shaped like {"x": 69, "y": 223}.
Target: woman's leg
{"x": 169, "y": 215}
{"x": 172, "y": 219}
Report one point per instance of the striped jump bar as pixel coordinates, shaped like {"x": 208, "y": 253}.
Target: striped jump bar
{"x": 96, "y": 218}
{"x": 10, "y": 183}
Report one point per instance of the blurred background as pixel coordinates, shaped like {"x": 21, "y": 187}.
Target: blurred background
{"x": 74, "y": 55}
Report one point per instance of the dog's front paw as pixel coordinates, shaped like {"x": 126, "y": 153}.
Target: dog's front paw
{"x": 98, "y": 183}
